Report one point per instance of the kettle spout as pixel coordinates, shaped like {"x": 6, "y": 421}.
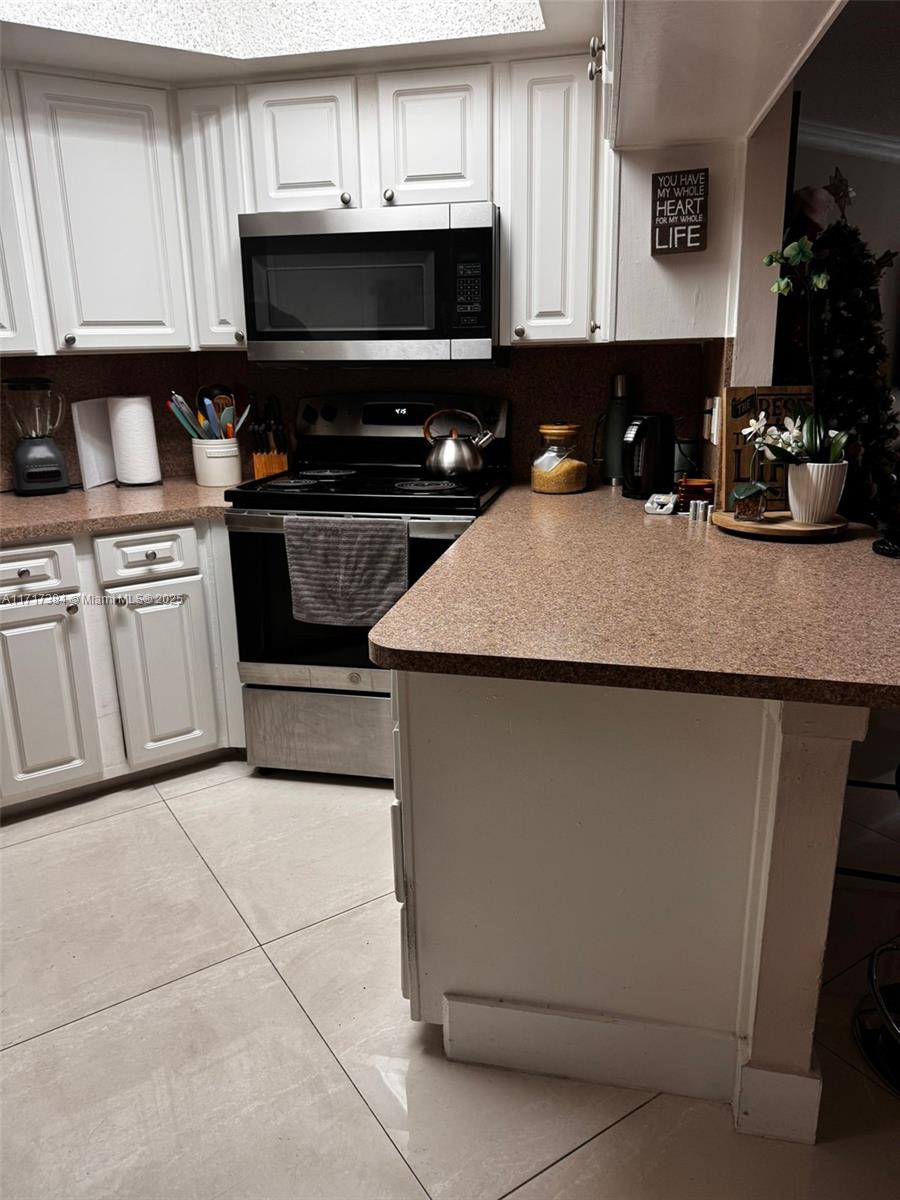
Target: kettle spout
{"x": 484, "y": 438}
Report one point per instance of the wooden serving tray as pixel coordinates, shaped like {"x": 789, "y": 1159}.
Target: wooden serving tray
{"x": 780, "y": 525}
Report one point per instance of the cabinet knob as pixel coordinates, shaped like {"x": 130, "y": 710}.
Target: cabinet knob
{"x": 346, "y": 197}
{"x": 71, "y": 609}
{"x": 150, "y": 556}
{"x": 595, "y": 46}
{"x": 238, "y": 335}
{"x": 593, "y": 70}
{"x": 594, "y": 326}
{"x": 389, "y": 194}
{"x": 354, "y": 677}
{"x": 23, "y": 573}
{"x": 121, "y": 601}
{"x": 519, "y": 331}
{"x": 69, "y": 339}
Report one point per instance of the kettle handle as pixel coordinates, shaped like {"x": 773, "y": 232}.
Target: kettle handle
{"x": 448, "y": 412}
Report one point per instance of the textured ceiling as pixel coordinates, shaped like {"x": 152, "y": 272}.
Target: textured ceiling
{"x": 247, "y": 29}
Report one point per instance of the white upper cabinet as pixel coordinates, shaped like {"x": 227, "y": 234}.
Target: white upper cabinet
{"x": 105, "y": 189}
{"x": 210, "y": 143}
{"x": 550, "y": 199}
{"x": 434, "y": 131}
{"x": 303, "y": 137}
{"x": 16, "y": 322}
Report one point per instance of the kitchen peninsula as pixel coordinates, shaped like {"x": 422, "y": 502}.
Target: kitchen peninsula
{"x": 621, "y": 757}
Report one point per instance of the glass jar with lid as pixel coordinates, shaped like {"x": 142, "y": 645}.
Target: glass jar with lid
{"x": 556, "y": 470}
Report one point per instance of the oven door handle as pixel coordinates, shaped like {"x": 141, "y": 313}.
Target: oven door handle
{"x": 435, "y": 528}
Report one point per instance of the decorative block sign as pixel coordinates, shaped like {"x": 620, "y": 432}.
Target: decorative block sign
{"x": 736, "y": 455}
{"x": 680, "y": 212}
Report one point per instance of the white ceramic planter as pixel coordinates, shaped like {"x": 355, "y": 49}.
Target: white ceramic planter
{"x": 814, "y": 490}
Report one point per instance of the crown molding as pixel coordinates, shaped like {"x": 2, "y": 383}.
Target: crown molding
{"x": 851, "y": 141}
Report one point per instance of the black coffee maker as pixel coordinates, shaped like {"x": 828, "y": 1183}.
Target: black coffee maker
{"x": 38, "y": 464}
{"x": 648, "y": 455}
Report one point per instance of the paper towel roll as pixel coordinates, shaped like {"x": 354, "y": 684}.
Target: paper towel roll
{"x": 134, "y": 439}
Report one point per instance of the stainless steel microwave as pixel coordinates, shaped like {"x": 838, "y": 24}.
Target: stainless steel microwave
{"x": 363, "y": 285}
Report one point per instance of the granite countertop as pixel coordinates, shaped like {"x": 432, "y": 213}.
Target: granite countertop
{"x": 104, "y": 509}
{"x": 590, "y": 589}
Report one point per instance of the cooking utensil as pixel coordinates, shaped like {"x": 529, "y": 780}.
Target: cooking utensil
{"x": 182, "y": 420}
{"x": 181, "y": 407}
{"x": 210, "y": 410}
{"x": 454, "y": 453}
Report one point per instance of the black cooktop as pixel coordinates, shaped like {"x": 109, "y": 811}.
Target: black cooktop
{"x": 368, "y": 488}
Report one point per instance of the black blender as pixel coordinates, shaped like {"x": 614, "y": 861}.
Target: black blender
{"x": 37, "y": 412}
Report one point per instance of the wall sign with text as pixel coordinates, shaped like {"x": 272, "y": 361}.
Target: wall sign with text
{"x": 680, "y": 211}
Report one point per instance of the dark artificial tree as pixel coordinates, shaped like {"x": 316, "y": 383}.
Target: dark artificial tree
{"x": 835, "y": 341}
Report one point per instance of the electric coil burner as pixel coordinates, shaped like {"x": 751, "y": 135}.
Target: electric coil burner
{"x": 313, "y": 699}
{"x": 425, "y": 485}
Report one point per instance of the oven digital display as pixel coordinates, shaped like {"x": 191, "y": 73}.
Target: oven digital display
{"x": 389, "y": 412}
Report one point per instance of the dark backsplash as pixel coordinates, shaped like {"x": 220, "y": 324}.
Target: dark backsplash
{"x": 570, "y": 383}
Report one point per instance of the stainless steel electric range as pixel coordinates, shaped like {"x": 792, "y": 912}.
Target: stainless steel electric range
{"x": 313, "y": 699}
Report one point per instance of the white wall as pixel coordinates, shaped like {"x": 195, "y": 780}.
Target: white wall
{"x": 687, "y": 294}
{"x": 762, "y": 225}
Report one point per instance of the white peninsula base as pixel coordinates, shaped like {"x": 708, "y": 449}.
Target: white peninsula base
{"x": 623, "y": 886}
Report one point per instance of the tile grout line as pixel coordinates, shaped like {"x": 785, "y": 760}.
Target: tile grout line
{"x": 869, "y": 829}
{"x": 204, "y": 787}
{"x": 587, "y": 1141}
{"x": 873, "y": 1078}
{"x": 81, "y": 824}
{"x": 843, "y": 971}
{"x": 321, "y": 921}
{"x": 161, "y": 799}
{"x": 213, "y": 874}
{"x": 344, "y": 1070}
{"x": 126, "y": 999}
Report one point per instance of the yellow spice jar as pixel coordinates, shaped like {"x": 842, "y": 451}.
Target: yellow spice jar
{"x": 555, "y": 470}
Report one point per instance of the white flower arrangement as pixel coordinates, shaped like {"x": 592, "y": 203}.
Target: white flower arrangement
{"x": 805, "y": 439}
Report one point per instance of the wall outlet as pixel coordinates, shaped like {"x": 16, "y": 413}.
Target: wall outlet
{"x": 711, "y": 419}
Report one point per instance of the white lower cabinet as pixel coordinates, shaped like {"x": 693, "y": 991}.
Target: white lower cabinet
{"x": 48, "y": 728}
{"x": 161, "y": 647}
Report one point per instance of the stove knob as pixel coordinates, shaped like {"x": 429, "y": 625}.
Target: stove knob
{"x": 329, "y": 412}
{"x": 354, "y": 677}
{"x": 310, "y": 415}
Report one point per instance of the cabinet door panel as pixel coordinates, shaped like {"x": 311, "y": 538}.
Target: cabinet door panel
{"x": 105, "y": 188}
{"x": 210, "y": 143}
{"x": 164, "y": 671}
{"x": 303, "y": 136}
{"x": 551, "y": 176}
{"x": 435, "y": 134}
{"x": 16, "y": 321}
{"x": 49, "y": 722}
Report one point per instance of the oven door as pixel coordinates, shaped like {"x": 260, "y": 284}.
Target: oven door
{"x": 277, "y": 651}
{"x": 367, "y": 285}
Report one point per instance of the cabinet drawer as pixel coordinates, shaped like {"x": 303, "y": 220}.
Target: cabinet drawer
{"x": 150, "y": 554}
{"x": 27, "y": 570}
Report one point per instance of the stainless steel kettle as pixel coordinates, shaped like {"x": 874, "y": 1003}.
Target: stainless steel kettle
{"x": 455, "y": 453}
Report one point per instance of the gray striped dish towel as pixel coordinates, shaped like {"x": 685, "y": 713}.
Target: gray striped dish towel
{"x": 345, "y": 570}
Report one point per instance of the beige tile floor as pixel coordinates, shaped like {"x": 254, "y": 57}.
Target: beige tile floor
{"x": 201, "y": 999}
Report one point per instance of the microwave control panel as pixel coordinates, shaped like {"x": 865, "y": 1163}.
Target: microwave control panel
{"x": 469, "y": 297}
